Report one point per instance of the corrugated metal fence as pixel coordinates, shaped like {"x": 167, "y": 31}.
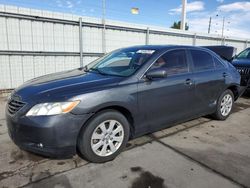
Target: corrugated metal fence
{"x": 36, "y": 42}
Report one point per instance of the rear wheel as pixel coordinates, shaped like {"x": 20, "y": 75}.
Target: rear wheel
{"x": 224, "y": 105}
{"x": 104, "y": 136}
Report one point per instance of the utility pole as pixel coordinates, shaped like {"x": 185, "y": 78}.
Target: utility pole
{"x": 222, "y": 32}
{"x": 104, "y": 26}
{"x": 183, "y": 17}
{"x": 209, "y": 25}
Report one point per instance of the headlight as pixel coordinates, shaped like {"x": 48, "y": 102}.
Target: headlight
{"x": 52, "y": 108}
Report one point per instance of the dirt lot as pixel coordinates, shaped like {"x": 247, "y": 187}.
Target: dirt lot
{"x": 198, "y": 153}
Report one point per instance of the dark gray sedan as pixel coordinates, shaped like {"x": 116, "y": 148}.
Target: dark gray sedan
{"x": 127, "y": 93}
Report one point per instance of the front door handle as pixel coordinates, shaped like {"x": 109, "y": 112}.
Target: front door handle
{"x": 225, "y": 74}
{"x": 188, "y": 82}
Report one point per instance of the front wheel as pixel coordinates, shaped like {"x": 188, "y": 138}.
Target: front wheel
{"x": 224, "y": 105}
{"x": 104, "y": 136}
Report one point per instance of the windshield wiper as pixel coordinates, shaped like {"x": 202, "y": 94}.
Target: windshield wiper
{"x": 98, "y": 70}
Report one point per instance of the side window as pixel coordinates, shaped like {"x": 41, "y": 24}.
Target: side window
{"x": 218, "y": 64}
{"x": 202, "y": 60}
{"x": 174, "y": 61}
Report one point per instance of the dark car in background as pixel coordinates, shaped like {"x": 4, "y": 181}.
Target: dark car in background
{"x": 124, "y": 94}
{"x": 242, "y": 63}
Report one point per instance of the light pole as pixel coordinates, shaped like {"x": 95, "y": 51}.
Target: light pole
{"x": 223, "y": 29}
{"x": 183, "y": 16}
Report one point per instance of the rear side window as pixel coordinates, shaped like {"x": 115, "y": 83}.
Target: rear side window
{"x": 174, "y": 62}
{"x": 218, "y": 64}
{"x": 202, "y": 60}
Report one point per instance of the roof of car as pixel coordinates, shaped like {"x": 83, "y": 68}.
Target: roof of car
{"x": 161, "y": 47}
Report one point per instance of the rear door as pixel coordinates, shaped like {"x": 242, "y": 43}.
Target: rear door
{"x": 209, "y": 78}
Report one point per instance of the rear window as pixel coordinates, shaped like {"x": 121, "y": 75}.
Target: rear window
{"x": 202, "y": 60}
{"x": 218, "y": 64}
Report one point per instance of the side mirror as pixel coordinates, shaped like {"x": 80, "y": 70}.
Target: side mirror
{"x": 156, "y": 73}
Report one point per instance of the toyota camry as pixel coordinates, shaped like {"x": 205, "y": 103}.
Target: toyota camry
{"x": 127, "y": 93}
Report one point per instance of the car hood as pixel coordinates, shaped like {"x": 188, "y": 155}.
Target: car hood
{"x": 64, "y": 85}
{"x": 241, "y": 62}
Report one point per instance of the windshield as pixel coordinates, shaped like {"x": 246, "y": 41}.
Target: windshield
{"x": 123, "y": 62}
{"x": 244, "y": 54}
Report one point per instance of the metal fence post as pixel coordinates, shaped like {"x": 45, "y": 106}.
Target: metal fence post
{"x": 194, "y": 39}
{"x": 223, "y": 40}
{"x": 147, "y": 36}
{"x": 104, "y": 39}
{"x": 246, "y": 44}
{"x": 80, "y": 42}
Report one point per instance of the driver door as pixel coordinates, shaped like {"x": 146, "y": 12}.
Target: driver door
{"x": 163, "y": 101}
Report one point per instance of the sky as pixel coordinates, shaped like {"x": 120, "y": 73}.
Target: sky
{"x": 158, "y": 12}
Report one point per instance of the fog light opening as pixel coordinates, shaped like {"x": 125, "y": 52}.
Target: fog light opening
{"x": 40, "y": 145}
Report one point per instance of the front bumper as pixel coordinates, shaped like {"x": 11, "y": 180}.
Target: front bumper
{"x": 245, "y": 80}
{"x": 53, "y": 136}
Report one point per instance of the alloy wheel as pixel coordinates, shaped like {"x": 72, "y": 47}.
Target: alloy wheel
{"x": 107, "y": 138}
{"x": 226, "y": 104}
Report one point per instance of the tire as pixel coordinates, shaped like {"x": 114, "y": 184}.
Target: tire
{"x": 226, "y": 100}
{"x": 96, "y": 141}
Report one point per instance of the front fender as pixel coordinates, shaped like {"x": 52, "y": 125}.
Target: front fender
{"x": 124, "y": 96}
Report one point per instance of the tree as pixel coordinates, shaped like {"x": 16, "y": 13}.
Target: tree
{"x": 177, "y": 25}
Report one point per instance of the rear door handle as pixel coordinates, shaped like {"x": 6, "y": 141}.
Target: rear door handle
{"x": 188, "y": 82}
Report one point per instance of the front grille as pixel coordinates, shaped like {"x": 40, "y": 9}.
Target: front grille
{"x": 14, "y": 106}
{"x": 243, "y": 70}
